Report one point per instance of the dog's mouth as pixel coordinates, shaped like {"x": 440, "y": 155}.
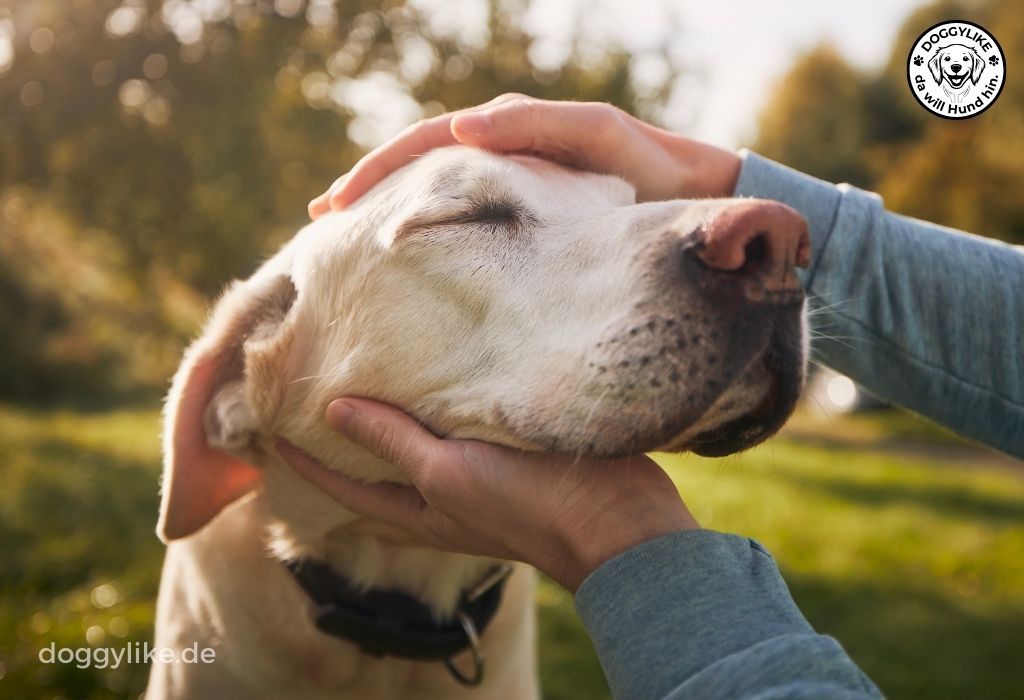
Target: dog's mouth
{"x": 956, "y": 80}
{"x": 762, "y": 421}
{"x": 723, "y": 399}
{"x": 758, "y": 400}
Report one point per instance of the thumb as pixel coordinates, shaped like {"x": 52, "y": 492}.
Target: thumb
{"x": 396, "y": 504}
{"x": 387, "y": 433}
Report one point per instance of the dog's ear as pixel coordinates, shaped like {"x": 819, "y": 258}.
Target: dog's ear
{"x": 935, "y": 68}
{"x": 228, "y": 379}
{"x": 977, "y": 66}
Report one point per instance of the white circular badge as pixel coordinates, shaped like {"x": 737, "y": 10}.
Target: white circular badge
{"x": 956, "y": 69}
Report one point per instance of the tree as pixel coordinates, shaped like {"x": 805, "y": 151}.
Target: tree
{"x": 842, "y": 125}
{"x": 815, "y": 120}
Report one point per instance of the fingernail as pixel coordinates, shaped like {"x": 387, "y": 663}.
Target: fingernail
{"x": 340, "y": 414}
{"x": 337, "y": 186}
{"x": 476, "y": 123}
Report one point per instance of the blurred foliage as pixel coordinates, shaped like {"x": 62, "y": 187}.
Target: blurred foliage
{"x": 913, "y": 562}
{"x": 830, "y": 120}
{"x": 150, "y": 150}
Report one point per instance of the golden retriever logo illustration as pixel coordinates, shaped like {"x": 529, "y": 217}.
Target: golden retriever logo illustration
{"x": 959, "y": 66}
{"x": 956, "y": 69}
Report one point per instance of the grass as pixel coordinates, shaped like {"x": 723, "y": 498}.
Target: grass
{"x": 903, "y": 544}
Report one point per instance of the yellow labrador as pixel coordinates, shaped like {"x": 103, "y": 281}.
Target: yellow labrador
{"x": 500, "y": 298}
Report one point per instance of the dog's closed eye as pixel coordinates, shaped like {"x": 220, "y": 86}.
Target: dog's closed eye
{"x": 493, "y": 212}
{"x": 506, "y": 214}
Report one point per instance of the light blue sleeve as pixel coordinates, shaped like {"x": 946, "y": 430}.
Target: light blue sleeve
{"x": 701, "y": 614}
{"x": 926, "y": 317}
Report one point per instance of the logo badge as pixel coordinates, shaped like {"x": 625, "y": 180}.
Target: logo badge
{"x": 956, "y": 69}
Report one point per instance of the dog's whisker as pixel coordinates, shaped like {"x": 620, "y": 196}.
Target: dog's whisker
{"x": 818, "y": 295}
{"x": 843, "y": 342}
{"x": 813, "y": 362}
{"x": 825, "y": 336}
{"x": 310, "y": 378}
{"x": 819, "y": 310}
{"x": 819, "y": 404}
{"x": 819, "y": 323}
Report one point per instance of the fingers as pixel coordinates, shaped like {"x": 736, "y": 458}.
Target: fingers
{"x": 388, "y": 434}
{"x": 569, "y": 132}
{"x": 393, "y": 503}
{"x": 321, "y": 205}
{"x": 561, "y": 130}
{"x": 385, "y": 159}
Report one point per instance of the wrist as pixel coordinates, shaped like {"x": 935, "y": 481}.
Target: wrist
{"x": 705, "y": 170}
{"x": 590, "y": 547}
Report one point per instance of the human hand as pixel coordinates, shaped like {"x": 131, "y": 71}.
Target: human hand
{"x": 563, "y": 515}
{"x": 590, "y": 136}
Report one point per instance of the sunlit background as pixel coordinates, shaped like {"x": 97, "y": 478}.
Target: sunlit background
{"x": 151, "y": 150}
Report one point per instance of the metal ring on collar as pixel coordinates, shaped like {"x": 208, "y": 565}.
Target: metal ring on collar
{"x": 474, "y": 646}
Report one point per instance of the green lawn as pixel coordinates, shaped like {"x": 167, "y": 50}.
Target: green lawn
{"x": 906, "y": 546}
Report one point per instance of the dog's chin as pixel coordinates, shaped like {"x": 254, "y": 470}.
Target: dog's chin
{"x": 750, "y": 429}
{"x": 736, "y": 433}
{"x": 758, "y": 400}
{"x": 747, "y": 412}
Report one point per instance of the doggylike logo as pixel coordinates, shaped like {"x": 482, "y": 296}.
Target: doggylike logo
{"x": 956, "y": 69}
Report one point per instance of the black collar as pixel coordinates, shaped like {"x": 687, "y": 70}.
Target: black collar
{"x": 386, "y": 622}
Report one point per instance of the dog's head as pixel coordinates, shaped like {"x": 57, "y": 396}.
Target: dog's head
{"x": 956, "y": 64}
{"x": 500, "y": 298}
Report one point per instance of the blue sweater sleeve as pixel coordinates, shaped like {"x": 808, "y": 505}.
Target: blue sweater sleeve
{"x": 923, "y": 316}
{"x": 700, "y": 614}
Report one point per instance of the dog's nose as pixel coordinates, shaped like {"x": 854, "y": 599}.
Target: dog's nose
{"x": 955, "y": 67}
{"x": 761, "y": 243}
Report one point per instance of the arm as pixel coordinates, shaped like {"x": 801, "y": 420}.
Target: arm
{"x": 701, "y": 614}
{"x": 924, "y": 316}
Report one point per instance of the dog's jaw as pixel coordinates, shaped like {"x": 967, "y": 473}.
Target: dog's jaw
{"x": 303, "y": 521}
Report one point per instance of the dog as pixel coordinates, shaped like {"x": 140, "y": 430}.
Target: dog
{"x": 958, "y": 66}
{"x": 500, "y": 298}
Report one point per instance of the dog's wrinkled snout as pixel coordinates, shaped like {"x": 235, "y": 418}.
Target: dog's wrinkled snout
{"x": 759, "y": 244}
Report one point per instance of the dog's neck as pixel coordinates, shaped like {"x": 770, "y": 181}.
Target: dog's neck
{"x": 370, "y": 553}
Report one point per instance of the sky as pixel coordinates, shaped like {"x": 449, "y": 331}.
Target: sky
{"x": 737, "y": 48}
